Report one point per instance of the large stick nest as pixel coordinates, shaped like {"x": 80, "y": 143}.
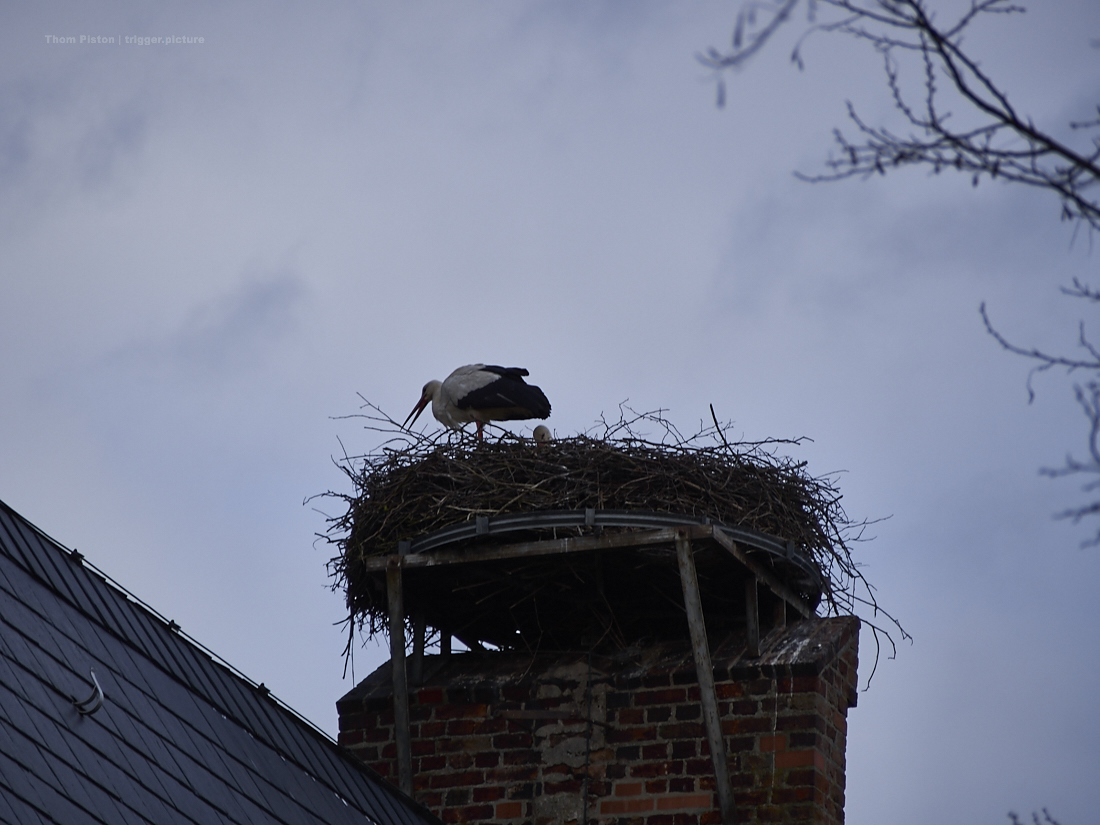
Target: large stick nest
{"x": 417, "y": 484}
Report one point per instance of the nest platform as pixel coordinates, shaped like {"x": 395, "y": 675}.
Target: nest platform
{"x": 573, "y": 544}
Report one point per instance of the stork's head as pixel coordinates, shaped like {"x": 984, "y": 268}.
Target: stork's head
{"x": 430, "y": 391}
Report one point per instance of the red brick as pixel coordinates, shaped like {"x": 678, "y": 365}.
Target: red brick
{"x": 423, "y": 747}
{"x": 570, "y": 786}
{"x": 801, "y": 684}
{"x": 685, "y": 749}
{"x": 729, "y": 690}
{"x": 773, "y": 743}
{"x": 650, "y": 769}
{"x": 757, "y": 687}
{"x": 688, "y": 712}
{"x": 460, "y": 778}
{"x": 800, "y": 722}
{"x": 430, "y": 696}
{"x": 456, "y": 797}
{"x": 786, "y": 795}
{"x": 699, "y": 767}
{"x": 460, "y": 761}
{"x": 461, "y": 712}
{"x": 799, "y": 759}
{"x": 466, "y": 727}
{"x": 487, "y": 760}
{"x": 736, "y": 744}
{"x": 746, "y": 707}
{"x": 682, "y": 730}
{"x": 632, "y": 735}
{"x": 626, "y": 806}
{"x": 806, "y": 777}
{"x": 804, "y": 740}
{"x": 769, "y": 813}
{"x": 466, "y": 744}
{"x": 658, "y": 713}
{"x": 678, "y": 802}
{"x": 355, "y": 721}
{"x": 367, "y": 754}
{"x": 508, "y": 741}
{"x": 521, "y": 757}
{"x": 628, "y": 788}
{"x": 756, "y": 724}
{"x": 474, "y": 812}
{"x": 509, "y": 810}
{"x": 490, "y": 793}
{"x": 659, "y": 697}
{"x": 523, "y": 773}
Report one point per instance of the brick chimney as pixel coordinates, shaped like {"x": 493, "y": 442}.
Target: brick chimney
{"x": 619, "y": 737}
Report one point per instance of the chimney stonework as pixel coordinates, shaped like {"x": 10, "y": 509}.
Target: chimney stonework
{"x": 619, "y": 737}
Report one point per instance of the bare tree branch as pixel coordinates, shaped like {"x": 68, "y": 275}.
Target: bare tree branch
{"x": 1046, "y": 820}
{"x": 1002, "y": 143}
{"x": 1088, "y": 398}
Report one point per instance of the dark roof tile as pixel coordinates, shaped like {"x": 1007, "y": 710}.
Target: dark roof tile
{"x": 180, "y": 736}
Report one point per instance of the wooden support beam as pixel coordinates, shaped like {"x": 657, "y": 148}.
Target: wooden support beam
{"x": 752, "y": 615}
{"x": 779, "y": 618}
{"x": 705, "y": 673}
{"x": 416, "y": 663}
{"x": 605, "y": 541}
{"x": 762, "y": 573}
{"x": 444, "y": 643}
{"x": 395, "y": 598}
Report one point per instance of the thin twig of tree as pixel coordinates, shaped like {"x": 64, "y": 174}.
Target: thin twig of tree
{"x": 1088, "y": 398}
{"x": 1001, "y": 143}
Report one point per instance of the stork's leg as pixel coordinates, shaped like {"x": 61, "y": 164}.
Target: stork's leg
{"x": 480, "y": 437}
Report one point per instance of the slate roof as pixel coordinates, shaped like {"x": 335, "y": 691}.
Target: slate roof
{"x": 179, "y": 738}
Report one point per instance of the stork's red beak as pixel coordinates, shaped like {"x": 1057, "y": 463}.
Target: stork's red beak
{"x": 415, "y": 414}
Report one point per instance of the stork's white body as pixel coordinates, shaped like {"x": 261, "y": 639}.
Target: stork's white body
{"x": 481, "y": 393}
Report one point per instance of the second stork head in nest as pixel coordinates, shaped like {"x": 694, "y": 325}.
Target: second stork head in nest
{"x": 481, "y": 393}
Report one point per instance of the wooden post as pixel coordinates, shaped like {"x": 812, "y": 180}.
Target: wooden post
{"x": 780, "y": 616}
{"x": 705, "y": 673}
{"x": 752, "y": 615}
{"x": 444, "y": 643}
{"x": 400, "y": 685}
{"x": 416, "y": 664}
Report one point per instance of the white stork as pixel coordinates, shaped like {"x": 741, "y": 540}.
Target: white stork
{"x": 481, "y": 393}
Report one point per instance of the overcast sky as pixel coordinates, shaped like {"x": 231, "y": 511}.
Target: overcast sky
{"x": 208, "y": 249}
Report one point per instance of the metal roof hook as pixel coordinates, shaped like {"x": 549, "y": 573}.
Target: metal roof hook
{"x": 94, "y": 702}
